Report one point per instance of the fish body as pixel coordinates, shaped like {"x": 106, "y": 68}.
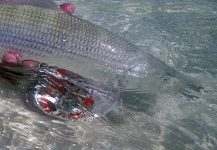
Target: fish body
{"x": 52, "y": 35}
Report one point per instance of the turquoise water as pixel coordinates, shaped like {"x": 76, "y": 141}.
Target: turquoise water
{"x": 180, "y": 33}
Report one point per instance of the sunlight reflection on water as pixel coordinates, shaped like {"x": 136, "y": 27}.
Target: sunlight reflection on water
{"x": 181, "y": 34}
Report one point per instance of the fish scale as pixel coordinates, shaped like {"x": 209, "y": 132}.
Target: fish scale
{"x": 57, "y": 32}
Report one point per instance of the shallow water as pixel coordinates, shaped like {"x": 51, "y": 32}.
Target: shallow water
{"x": 180, "y": 33}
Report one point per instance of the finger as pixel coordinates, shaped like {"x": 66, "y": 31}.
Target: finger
{"x": 10, "y": 60}
{"x": 15, "y": 53}
{"x": 68, "y": 8}
{"x": 30, "y": 64}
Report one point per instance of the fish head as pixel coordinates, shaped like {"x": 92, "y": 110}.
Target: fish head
{"x": 145, "y": 65}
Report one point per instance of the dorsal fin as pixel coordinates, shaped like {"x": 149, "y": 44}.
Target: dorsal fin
{"x": 49, "y": 4}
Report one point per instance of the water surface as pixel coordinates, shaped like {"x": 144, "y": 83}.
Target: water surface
{"x": 180, "y": 33}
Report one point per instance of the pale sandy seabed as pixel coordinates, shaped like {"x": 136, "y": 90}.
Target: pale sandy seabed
{"x": 180, "y": 33}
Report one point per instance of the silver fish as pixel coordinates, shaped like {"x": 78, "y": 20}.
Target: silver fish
{"x": 41, "y": 30}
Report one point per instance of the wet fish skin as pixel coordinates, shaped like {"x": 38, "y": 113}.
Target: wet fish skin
{"x": 51, "y": 34}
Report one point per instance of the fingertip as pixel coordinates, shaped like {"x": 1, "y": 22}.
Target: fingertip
{"x": 15, "y": 53}
{"x": 30, "y": 64}
{"x": 68, "y": 8}
{"x": 9, "y": 60}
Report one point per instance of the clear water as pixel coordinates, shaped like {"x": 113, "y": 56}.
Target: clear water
{"x": 180, "y": 33}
